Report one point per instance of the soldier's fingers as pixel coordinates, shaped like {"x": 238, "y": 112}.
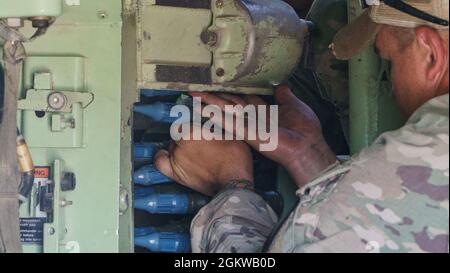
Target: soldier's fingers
{"x": 223, "y": 121}
{"x": 284, "y": 96}
{"x": 163, "y": 164}
{"x": 212, "y": 99}
{"x": 233, "y": 98}
{"x": 258, "y": 101}
{"x": 227, "y": 120}
{"x": 218, "y": 117}
{"x": 207, "y": 110}
{"x": 255, "y": 100}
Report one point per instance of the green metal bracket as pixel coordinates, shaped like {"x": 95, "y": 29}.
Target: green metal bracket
{"x": 54, "y": 101}
{"x": 44, "y": 98}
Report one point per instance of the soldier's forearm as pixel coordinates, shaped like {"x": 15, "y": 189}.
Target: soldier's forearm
{"x": 237, "y": 220}
{"x": 312, "y": 160}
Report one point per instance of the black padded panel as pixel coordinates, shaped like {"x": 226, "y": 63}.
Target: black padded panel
{"x": 193, "y": 4}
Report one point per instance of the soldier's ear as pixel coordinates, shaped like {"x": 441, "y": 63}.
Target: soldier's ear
{"x": 435, "y": 53}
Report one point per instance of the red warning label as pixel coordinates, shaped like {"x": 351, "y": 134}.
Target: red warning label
{"x": 42, "y": 172}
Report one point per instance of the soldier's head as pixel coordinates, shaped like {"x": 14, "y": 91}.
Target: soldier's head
{"x": 413, "y": 36}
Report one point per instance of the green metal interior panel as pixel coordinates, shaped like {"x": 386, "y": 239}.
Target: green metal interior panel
{"x": 372, "y": 104}
{"x": 92, "y": 31}
{"x": 30, "y": 8}
{"x": 130, "y": 95}
{"x": 181, "y": 27}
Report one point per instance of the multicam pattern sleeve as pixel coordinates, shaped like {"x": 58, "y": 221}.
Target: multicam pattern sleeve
{"x": 236, "y": 221}
{"x": 392, "y": 197}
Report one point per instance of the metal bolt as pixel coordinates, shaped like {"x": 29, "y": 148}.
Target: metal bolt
{"x": 209, "y": 38}
{"x": 219, "y": 4}
{"x": 65, "y": 203}
{"x": 220, "y": 72}
{"x": 56, "y": 100}
{"x": 51, "y": 231}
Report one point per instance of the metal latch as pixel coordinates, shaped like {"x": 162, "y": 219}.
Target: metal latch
{"x": 44, "y": 98}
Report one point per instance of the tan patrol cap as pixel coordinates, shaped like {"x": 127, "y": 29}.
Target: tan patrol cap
{"x": 350, "y": 40}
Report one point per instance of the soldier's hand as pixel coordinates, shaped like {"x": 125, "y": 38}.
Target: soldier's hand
{"x": 206, "y": 166}
{"x": 301, "y": 148}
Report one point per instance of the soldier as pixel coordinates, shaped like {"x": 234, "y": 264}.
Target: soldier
{"x": 392, "y": 197}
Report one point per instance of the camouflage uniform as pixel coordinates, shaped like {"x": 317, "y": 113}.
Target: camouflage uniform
{"x": 392, "y": 197}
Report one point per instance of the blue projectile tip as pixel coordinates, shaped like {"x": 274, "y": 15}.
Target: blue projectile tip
{"x": 149, "y": 175}
{"x": 160, "y": 112}
{"x": 163, "y": 203}
{"x": 144, "y": 151}
{"x": 165, "y": 242}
